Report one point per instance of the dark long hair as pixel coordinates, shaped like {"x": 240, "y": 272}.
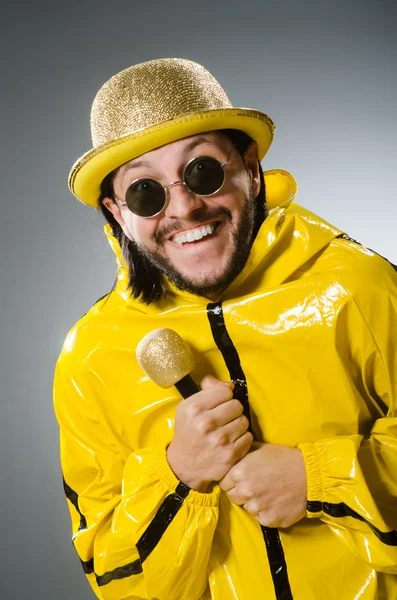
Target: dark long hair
{"x": 145, "y": 280}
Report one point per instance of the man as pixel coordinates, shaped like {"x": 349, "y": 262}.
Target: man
{"x": 279, "y": 478}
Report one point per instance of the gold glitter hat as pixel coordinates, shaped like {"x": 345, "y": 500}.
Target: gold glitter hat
{"x": 152, "y": 104}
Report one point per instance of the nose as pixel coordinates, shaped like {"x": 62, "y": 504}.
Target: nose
{"x": 182, "y": 201}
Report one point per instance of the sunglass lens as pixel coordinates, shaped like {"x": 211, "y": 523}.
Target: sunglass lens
{"x": 204, "y": 175}
{"x": 145, "y": 197}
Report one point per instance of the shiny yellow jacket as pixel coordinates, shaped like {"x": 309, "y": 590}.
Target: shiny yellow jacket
{"x": 308, "y": 330}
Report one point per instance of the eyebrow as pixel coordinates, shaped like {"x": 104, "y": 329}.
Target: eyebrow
{"x": 197, "y": 142}
{"x": 137, "y": 164}
{"x": 145, "y": 163}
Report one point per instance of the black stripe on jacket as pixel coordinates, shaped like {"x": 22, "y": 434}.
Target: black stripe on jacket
{"x": 148, "y": 540}
{"x": 74, "y": 499}
{"x": 271, "y": 536}
{"x": 340, "y": 510}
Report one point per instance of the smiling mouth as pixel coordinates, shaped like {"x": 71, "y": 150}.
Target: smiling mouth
{"x": 194, "y": 235}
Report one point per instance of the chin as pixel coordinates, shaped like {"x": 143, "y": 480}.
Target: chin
{"x": 206, "y": 284}
{"x": 205, "y": 279}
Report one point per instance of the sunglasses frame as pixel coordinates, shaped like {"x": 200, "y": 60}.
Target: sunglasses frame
{"x": 182, "y": 181}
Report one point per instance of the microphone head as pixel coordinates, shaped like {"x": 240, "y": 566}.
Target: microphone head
{"x": 164, "y": 357}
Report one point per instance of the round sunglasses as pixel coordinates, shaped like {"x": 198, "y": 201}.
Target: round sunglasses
{"x": 203, "y": 176}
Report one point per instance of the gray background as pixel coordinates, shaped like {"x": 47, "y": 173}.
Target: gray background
{"x": 326, "y": 74}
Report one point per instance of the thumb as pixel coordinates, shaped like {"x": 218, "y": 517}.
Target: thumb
{"x": 209, "y": 381}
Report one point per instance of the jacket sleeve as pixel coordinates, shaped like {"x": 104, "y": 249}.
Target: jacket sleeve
{"x": 352, "y": 479}
{"x": 138, "y": 531}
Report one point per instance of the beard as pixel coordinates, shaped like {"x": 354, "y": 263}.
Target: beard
{"x": 241, "y": 242}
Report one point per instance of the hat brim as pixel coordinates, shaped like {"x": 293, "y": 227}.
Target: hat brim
{"x": 88, "y": 172}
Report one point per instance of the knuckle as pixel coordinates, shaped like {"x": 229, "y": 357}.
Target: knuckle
{"x": 205, "y": 425}
{"x": 271, "y": 518}
{"x": 208, "y": 381}
{"x": 236, "y": 406}
{"x": 283, "y": 522}
{"x": 242, "y": 444}
{"x": 249, "y": 438}
{"x": 220, "y": 439}
{"x": 253, "y": 507}
{"x": 262, "y": 519}
{"x": 244, "y": 422}
{"x": 246, "y": 490}
{"x": 192, "y": 410}
{"x": 237, "y": 473}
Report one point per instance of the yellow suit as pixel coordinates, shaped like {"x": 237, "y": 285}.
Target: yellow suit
{"x": 308, "y": 331}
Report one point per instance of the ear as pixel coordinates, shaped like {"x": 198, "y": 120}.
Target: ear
{"x": 251, "y": 161}
{"x": 114, "y": 208}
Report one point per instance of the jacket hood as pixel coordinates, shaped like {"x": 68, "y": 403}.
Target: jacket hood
{"x": 289, "y": 237}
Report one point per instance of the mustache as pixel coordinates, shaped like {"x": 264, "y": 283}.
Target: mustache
{"x": 201, "y": 216}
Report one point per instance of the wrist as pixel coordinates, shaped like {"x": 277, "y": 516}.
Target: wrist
{"x": 198, "y": 486}
{"x": 189, "y": 479}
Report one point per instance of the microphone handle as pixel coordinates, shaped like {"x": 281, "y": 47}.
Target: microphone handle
{"x": 187, "y": 386}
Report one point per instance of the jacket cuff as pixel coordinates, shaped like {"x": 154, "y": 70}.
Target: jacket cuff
{"x": 314, "y": 481}
{"x": 171, "y": 481}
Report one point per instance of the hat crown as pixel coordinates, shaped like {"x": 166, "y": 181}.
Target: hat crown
{"x": 150, "y": 93}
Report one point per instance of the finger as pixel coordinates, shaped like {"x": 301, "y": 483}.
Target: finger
{"x": 266, "y": 520}
{"x": 242, "y": 445}
{"x": 211, "y": 397}
{"x": 253, "y": 505}
{"x": 229, "y": 481}
{"x": 224, "y": 485}
{"x": 234, "y": 429}
{"x": 210, "y": 380}
{"x": 236, "y": 497}
{"x": 225, "y": 414}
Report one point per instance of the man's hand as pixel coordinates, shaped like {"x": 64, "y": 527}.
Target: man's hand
{"x": 210, "y": 435}
{"x": 270, "y": 483}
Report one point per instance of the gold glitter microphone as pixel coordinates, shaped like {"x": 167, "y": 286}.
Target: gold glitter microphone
{"x": 167, "y": 360}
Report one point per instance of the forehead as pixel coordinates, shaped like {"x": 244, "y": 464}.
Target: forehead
{"x": 178, "y": 150}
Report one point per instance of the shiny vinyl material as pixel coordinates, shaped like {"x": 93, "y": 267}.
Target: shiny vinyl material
{"x": 308, "y": 331}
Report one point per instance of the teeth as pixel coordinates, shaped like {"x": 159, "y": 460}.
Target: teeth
{"x": 194, "y": 234}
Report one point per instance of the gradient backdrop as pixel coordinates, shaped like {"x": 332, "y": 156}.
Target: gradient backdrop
{"x": 326, "y": 74}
